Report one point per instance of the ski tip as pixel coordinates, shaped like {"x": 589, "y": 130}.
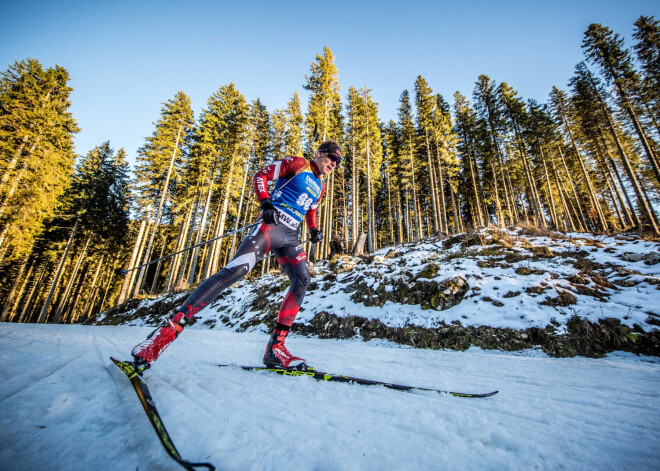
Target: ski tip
{"x": 489, "y": 394}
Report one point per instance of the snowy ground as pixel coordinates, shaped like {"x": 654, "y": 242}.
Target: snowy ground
{"x": 66, "y": 406}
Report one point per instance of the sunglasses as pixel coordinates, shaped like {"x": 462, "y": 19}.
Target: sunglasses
{"x": 335, "y": 158}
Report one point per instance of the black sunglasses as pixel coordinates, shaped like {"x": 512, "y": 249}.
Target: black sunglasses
{"x": 335, "y": 158}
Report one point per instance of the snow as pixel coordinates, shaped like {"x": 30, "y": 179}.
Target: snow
{"x": 66, "y": 406}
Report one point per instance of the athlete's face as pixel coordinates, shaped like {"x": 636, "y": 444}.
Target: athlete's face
{"x": 325, "y": 163}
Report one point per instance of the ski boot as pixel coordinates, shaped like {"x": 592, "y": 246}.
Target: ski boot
{"x": 277, "y": 355}
{"x": 150, "y": 349}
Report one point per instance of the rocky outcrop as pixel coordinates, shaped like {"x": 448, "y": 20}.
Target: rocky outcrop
{"x": 429, "y": 294}
{"x": 582, "y": 337}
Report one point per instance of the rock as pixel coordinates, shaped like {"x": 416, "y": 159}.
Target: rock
{"x": 428, "y": 294}
{"x": 632, "y": 257}
{"x": 652, "y": 258}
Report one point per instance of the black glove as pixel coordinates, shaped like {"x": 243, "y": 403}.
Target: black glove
{"x": 268, "y": 212}
{"x": 315, "y": 236}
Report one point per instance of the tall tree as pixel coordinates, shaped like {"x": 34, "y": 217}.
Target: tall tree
{"x": 605, "y": 48}
{"x": 425, "y": 103}
{"x": 36, "y": 151}
{"x": 160, "y": 161}
{"x": 647, "y": 34}
{"x": 97, "y": 204}
{"x": 324, "y": 115}
{"x": 466, "y": 119}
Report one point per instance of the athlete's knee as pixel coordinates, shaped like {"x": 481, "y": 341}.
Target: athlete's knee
{"x": 299, "y": 283}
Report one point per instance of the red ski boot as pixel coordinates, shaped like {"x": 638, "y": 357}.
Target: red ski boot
{"x": 277, "y": 355}
{"x": 148, "y": 351}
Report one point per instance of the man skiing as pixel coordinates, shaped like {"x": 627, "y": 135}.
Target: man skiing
{"x": 299, "y": 187}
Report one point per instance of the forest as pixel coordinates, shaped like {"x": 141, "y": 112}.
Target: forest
{"x": 586, "y": 160}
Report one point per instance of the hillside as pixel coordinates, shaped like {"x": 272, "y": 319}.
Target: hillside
{"x": 568, "y": 294}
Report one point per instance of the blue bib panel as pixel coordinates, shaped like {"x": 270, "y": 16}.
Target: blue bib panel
{"x": 294, "y": 196}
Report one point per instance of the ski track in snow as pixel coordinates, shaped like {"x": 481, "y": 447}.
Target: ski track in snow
{"x": 65, "y": 406}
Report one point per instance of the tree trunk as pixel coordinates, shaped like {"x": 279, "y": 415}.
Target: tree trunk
{"x": 163, "y": 197}
{"x": 215, "y": 246}
{"x": 585, "y": 175}
{"x": 92, "y": 289}
{"x": 126, "y": 285}
{"x": 200, "y": 232}
{"x": 49, "y": 299}
{"x": 582, "y": 222}
{"x": 72, "y": 278}
{"x": 645, "y": 208}
{"x": 436, "y": 222}
{"x": 553, "y": 214}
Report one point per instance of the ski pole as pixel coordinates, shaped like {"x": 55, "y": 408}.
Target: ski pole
{"x": 122, "y": 271}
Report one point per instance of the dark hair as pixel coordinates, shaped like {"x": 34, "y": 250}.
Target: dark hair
{"x": 331, "y": 147}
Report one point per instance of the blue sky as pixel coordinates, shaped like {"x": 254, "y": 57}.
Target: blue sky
{"x": 127, "y": 58}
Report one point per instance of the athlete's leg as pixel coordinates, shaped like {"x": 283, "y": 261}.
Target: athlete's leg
{"x": 252, "y": 248}
{"x": 292, "y": 259}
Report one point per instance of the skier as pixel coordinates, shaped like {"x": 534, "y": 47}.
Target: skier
{"x": 299, "y": 186}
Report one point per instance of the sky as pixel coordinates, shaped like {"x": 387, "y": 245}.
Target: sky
{"x": 126, "y": 58}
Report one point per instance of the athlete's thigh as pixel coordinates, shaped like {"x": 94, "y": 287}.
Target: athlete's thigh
{"x": 298, "y": 258}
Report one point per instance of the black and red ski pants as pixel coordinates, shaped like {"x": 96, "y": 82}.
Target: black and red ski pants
{"x": 283, "y": 242}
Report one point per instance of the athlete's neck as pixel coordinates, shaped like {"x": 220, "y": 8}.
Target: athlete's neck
{"x": 315, "y": 168}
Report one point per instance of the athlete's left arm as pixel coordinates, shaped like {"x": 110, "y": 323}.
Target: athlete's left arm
{"x": 310, "y": 216}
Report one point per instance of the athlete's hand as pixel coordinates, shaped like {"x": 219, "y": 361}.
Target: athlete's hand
{"x": 268, "y": 212}
{"x": 315, "y": 236}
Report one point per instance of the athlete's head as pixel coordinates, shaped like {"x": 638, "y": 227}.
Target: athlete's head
{"x": 328, "y": 156}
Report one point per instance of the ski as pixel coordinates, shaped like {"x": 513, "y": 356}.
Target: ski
{"x": 322, "y": 376}
{"x": 144, "y": 395}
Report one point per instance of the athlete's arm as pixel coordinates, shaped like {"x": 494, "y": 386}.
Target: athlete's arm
{"x": 310, "y": 216}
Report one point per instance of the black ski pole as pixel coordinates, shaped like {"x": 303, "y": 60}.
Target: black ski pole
{"x": 122, "y": 271}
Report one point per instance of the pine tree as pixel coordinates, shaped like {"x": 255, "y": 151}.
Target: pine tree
{"x": 445, "y": 141}
{"x": 324, "y": 107}
{"x": 517, "y": 117}
{"x": 466, "y": 119}
{"x": 410, "y": 168}
{"x": 222, "y": 138}
{"x": 324, "y": 115}
{"x": 160, "y": 161}
{"x": 599, "y": 126}
{"x": 647, "y": 34}
{"x": 97, "y": 204}
{"x": 294, "y": 132}
{"x": 425, "y": 104}
{"x": 491, "y": 114}
{"x": 36, "y": 147}
{"x": 605, "y": 48}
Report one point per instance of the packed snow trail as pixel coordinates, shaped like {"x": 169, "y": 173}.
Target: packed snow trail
{"x": 66, "y": 406}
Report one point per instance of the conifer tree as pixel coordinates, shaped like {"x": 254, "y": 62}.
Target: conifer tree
{"x": 445, "y": 141}
{"x": 425, "y": 103}
{"x": 605, "y": 48}
{"x": 647, "y": 34}
{"x": 517, "y": 117}
{"x": 491, "y": 115}
{"x": 466, "y": 120}
{"x": 222, "y": 138}
{"x": 160, "y": 161}
{"x": 600, "y": 126}
{"x": 325, "y": 101}
{"x": 564, "y": 113}
{"x": 36, "y": 151}
{"x": 410, "y": 168}
{"x": 97, "y": 205}
{"x": 324, "y": 115}
{"x": 294, "y": 132}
